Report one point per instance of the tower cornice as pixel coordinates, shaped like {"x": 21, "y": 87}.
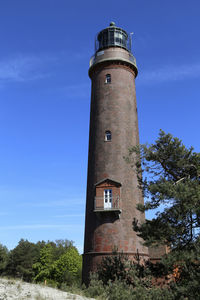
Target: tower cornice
{"x": 113, "y": 56}
{"x": 112, "y": 65}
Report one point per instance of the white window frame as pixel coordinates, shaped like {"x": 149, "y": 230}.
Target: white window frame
{"x": 107, "y": 195}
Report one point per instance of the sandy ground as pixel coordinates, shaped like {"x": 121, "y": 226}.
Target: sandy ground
{"x": 16, "y": 289}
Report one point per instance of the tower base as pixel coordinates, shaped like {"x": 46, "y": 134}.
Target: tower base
{"x": 92, "y": 260}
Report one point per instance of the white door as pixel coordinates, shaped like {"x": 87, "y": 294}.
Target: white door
{"x": 107, "y": 199}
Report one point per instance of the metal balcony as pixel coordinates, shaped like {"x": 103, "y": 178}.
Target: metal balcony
{"x": 99, "y": 205}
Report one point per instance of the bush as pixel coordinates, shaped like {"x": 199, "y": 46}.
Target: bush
{"x": 120, "y": 290}
{"x": 119, "y": 267}
{"x": 118, "y": 278}
{"x": 96, "y": 287}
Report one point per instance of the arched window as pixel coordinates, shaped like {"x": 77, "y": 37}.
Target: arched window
{"x": 108, "y": 78}
{"x": 108, "y": 135}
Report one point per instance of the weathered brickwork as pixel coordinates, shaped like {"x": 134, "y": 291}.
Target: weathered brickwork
{"x": 113, "y": 108}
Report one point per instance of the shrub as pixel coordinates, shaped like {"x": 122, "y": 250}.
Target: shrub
{"x": 119, "y": 267}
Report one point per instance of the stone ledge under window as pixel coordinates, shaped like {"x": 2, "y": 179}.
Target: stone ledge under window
{"x": 102, "y": 211}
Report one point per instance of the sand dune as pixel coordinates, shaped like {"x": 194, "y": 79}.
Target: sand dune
{"x": 19, "y": 290}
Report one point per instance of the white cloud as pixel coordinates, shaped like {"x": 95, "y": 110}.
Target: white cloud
{"x": 22, "y": 68}
{"x": 26, "y": 67}
{"x": 170, "y": 73}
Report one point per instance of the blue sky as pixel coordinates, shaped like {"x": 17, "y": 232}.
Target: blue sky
{"x": 45, "y": 97}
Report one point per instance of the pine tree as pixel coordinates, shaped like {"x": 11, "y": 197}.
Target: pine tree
{"x": 169, "y": 176}
{"x": 171, "y": 180}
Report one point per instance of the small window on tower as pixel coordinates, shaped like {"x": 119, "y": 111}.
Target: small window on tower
{"x": 108, "y": 136}
{"x": 108, "y": 78}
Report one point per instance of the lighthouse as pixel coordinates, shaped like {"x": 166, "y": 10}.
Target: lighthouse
{"x": 112, "y": 186}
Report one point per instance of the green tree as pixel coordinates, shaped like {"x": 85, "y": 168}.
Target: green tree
{"x": 3, "y": 258}
{"x": 59, "y": 262}
{"x": 42, "y": 268}
{"x": 60, "y": 247}
{"x": 171, "y": 184}
{"x": 21, "y": 259}
{"x": 67, "y": 269}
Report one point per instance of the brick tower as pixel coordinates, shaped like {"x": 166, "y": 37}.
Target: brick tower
{"x": 112, "y": 187}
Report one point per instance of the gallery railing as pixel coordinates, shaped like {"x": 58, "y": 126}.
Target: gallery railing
{"x": 99, "y": 203}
